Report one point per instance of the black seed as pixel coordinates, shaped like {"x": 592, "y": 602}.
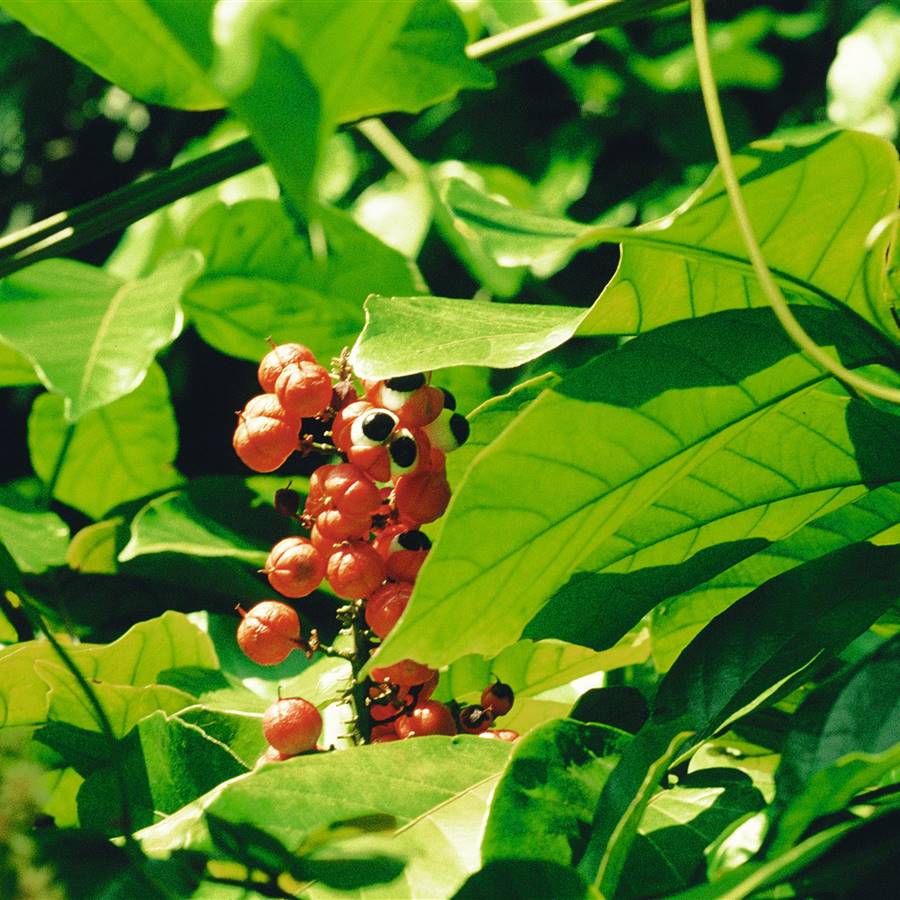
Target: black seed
{"x": 403, "y": 451}
{"x": 378, "y": 425}
{"x": 459, "y": 425}
{"x": 414, "y": 540}
{"x": 405, "y": 383}
{"x": 449, "y": 399}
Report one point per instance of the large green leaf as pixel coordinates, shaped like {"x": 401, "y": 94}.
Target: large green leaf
{"x": 812, "y": 207}
{"x": 168, "y": 763}
{"x": 262, "y": 281}
{"x": 35, "y": 538}
{"x": 14, "y": 368}
{"x": 117, "y": 452}
{"x": 210, "y": 517}
{"x": 843, "y": 738}
{"x": 432, "y": 771}
{"x": 545, "y": 800}
{"x": 734, "y": 665}
{"x": 125, "y": 43}
{"x": 137, "y": 658}
{"x": 101, "y": 348}
{"x": 675, "y": 623}
{"x": 672, "y": 457}
{"x": 677, "y": 827}
{"x": 411, "y": 334}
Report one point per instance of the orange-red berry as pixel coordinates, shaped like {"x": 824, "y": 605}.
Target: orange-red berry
{"x": 269, "y": 632}
{"x": 427, "y": 718}
{"x": 292, "y": 725}
{"x": 351, "y": 491}
{"x": 406, "y": 673}
{"x": 422, "y": 497}
{"x": 304, "y": 388}
{"x": 263, "y": 443}
{"x": 355, "y": 570}
{"x": 295, "y": 567}
{"x": 277, "y": 358}
{"x": 385, "y": 606}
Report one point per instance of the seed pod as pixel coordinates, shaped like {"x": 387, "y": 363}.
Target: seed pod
{"x": 295, "y": 567}
{"x": 351, "y": 491}
{"x": 343, "y": 422}
{"x": 422, "y": 497}
{"x": 385, "y": 606}
{"x": 334, "y": 526}
{"x": 269, "y": 632}
{"x": 355, "y": 570}
{"x": 304, "y": 388}
{"x": 277, "y": 358}
{"x": 474, "y": 719}
{"x": 404, "y": 550}
{"x": 498, "y": 697}
{"x": 263, "y": 442}
{"x": 426, "y": 718}
{"x": 292, "y": 725}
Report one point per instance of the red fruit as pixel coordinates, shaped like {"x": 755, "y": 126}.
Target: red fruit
{"x": 498, "y": 697}
{"x": 343, "y": 421}
{"x": 269, "y": 406}
{"x": 405, "y": 673}
{"x": 418, "y": 693}
{"x": 351, "y": 491}
{"x": 374, "y": 461}
{"x": 422, "y": 407}
{"x": 316, "y": 501}
{"x": 273, "y": 755}
{"x": 386, "y": 605}
{"x": 503, "y": 734}
{"x": 422, "y": 497}
{"x": 404, "y": 551}
{"x": 336, "y": 527}
{"x": 381, "y": 712}
{"x": 277, "y": 358}
{"x": 295, "y": 567}
{"x": 355, "y": 570}
{"x": 263, "y": 443}
{"x": 383, "y": 734}
{"x": 304, "y": 388}
{"x": 292, "y": 725}
{"x": 475, "y": 719}
{"x": 343, "y": 394}
{"x": 323, "y": 544}
{"x": 427, "y": 718}
{"x": 269, "y": 632}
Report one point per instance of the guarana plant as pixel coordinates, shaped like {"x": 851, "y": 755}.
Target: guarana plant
{"x": 565, "y": 586}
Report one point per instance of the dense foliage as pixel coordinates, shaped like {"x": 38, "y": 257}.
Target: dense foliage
{"x": 673, "y": 535}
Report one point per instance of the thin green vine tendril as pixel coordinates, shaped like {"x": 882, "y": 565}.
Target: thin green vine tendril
{"x": 771, "y": 290}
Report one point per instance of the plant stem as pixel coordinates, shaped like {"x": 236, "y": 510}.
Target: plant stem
{"x": 60, "y": 461}
{"x": 385, "y": 142}
{"x": 66, "y": 231}
{"x": 528, "y": 40}
{"x": 732, "y": 186}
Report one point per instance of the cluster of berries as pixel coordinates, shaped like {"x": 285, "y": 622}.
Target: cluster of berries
{"x": 363, "y": 516}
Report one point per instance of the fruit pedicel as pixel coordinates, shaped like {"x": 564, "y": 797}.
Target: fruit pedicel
{"x": 363, "y": 517}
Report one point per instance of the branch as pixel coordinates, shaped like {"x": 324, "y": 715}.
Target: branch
{"x": 66, "y": 231}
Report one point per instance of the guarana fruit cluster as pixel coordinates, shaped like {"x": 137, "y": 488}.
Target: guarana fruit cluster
{"x": 362, "y": 516}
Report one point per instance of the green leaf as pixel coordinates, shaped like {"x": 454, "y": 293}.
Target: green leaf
{"x": 682, "y": 451}
{"x": 677, "y": 827}
{"x": 675, "y": 624}
{"x": 438, "y": 332}
{"x": 604, "y": 868}
{"x": 168, "y": 763}
{"x": 241, "y": 732}
{"x": 361, "y": 781}
{"x": 137, "y": 658}
{"x": 545, "y": 800}
{"x": 126, "y": 44}
{"x": 844, "y": 736}
{"x": 261, "y": 279}
{"x": 101, "y": 349}
{"x": 15, "y": 369}
{"x": 125, "y": 705}
{"x": 93, "y": 549}
{"x": 210, "y": 517}
{"x": 532, "y": 667}
{"x": 35, "y": 538}
{"x": 525, "y": 878}
{"x": 733, "y": 665}
{"x": 693, "y": 262}
{"x": 117, "y": 453}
